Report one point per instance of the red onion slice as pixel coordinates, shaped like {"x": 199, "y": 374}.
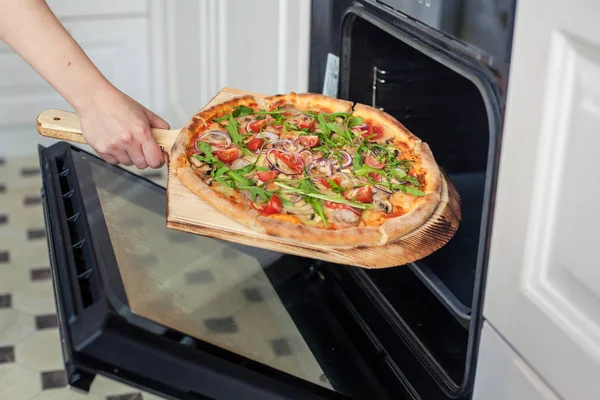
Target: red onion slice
{"x": 216, "y": 139}
{"x": 295, "y": 198}
{"x": 359, "y": 128}
{"x": 320, "y": 167}
{"x": 346, "y": 159}
{"x": 292, "y": 147}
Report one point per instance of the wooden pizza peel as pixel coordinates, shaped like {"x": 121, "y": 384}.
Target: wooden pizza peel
{"x": 188, "y": 213}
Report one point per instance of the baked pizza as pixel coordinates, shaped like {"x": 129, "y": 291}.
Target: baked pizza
{"x": 309, "y": 168}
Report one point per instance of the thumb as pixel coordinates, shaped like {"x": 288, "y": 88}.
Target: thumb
{"x": 156, "y": 121}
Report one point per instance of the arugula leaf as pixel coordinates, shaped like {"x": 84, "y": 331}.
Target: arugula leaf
{"x": 217, "y": 172}
{"x": 401, "y": 175}
{"x": 242, "y": 111}
{"x": 236, "y": 176}
{"x": 333, "y": 116}
{"x": 354, "y": 121}
{"x": 225, "y": 181}
{"x": 247, "y": 169}
{"x": 365, "y": 169}
{"x": 317, "y": 206}
{"x": 232, "y": 128}
{"x": 285, "y": 202}
{"x": 209, "y": 157}
{"x": 307, "y": 185}
{"x": 290, "y": 127}
{"x": 334, "y": 186}
{"x": 257, "y": 192}
{"x": 414, "y": 191}
{"x": 398, "y": 173}
{"x": 357, "y": 162}
{"x": 323, "y": 125}
{"x": 223, "y": 118}
{"x": 408, "y": 189}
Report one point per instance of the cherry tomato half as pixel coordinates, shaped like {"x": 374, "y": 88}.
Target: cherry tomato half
{"x": 266, "y": 176}
{"x": 375, "y": 176}
{"x": 310, "y": 125}
{"x": 228, "y": 155}
{"x": 255, "y": 144}
{"x": 309, "y": 141}
{"x": 274, "y": 206}
{"x": 373, "y": 162}
{"x": 364, "y": 194}
{"x": 293, "y": 162}
{"x": 256, "y": 126}
{"x": 373, "y": 133}
{"x": 336, "y": 179}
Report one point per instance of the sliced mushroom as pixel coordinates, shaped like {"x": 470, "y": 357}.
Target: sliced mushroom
{"x": 383, "y": 205}
{"x": 380, "y": 195}
{"x": 196, "y": 162}
{"x": 240, "y": 163}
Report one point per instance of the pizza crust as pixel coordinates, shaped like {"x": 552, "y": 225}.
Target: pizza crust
{"x": 309, "y": 102}
{"x": 391, "y": 126}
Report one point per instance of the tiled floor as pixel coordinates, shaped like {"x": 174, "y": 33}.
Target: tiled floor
{"x": 31, "y": 364}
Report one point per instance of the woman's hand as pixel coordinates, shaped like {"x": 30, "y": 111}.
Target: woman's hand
{"x": 119, "y": 129}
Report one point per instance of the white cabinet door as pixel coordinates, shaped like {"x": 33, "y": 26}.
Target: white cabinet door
{"x": 118, "y": 47}
{"x": 543, "y": 289}
{"x": 503, "y": 375}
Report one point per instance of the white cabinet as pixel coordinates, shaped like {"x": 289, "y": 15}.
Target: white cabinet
{"x": 543, "y": 289}
{"x": 503, "y": 375}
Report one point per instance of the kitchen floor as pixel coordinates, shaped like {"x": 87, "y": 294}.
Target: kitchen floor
{"x": 31, "y": 364}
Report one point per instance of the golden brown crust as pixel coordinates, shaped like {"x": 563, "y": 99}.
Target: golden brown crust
{"x": 309, "y": 102}
{"x": 389, "y": 123}
{"x": 397, "y": 227}
{"x": 433, "y": 178}
{"x": 227, "y": 107}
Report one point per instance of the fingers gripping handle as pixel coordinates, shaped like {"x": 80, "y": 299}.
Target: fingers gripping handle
{"x": 65, "y": 125}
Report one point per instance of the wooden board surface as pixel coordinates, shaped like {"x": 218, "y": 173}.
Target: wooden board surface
{"x": 187, "y": 212}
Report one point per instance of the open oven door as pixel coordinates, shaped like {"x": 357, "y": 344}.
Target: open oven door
{"x": 185, "y": 316}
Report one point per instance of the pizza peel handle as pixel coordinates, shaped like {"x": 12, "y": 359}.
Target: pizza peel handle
{"x": 64, "y": 125}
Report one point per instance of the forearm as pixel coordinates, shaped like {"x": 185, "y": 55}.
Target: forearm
{"x": 30, "y": 28}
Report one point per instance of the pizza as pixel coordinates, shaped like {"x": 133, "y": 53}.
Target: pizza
{"x": 309, "y": 168}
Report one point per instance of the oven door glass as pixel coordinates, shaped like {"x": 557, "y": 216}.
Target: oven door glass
{"x": 245, "y": 314}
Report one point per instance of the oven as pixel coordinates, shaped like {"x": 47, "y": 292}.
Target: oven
{"x": 191, "y": 317}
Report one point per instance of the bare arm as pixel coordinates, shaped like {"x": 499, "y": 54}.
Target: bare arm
{"x": 114, "y": 125}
